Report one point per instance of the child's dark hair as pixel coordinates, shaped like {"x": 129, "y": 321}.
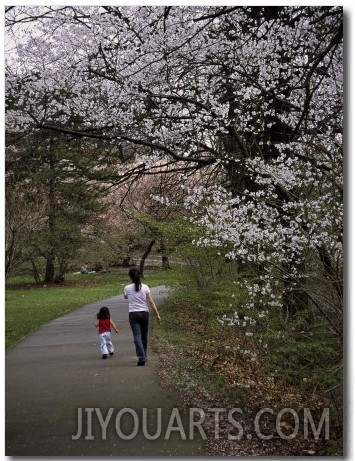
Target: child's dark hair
{"x": 104, "y": 313}
{"x": 135, "y": 277}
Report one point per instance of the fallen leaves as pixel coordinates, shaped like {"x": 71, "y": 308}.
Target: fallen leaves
{"x": 190, "y": 366}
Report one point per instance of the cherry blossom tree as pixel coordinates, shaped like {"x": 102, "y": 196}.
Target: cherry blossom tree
{"x": 253, "y": 93}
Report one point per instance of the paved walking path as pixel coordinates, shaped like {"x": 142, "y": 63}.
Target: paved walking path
{"x": 58, "y": 387}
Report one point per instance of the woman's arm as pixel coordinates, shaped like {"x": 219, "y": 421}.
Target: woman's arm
{"x": 153, "y": 306}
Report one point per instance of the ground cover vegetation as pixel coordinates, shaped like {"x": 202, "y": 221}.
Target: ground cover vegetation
{"x": 211, "y": 134}
{"x": 216, "y": 358}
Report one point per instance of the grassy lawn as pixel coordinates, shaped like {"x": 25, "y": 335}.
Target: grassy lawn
{"x": 28, "y": 305}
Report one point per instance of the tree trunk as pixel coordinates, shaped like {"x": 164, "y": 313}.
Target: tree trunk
{"x": 49, "y": 274}
{"x": 50, "y": 256}
{"x": 35, "y": 271}
{"x": 126, "y": 261}
{"x": 165, "y": 262}
{"x": 9, "y": 253}
{"x": 330, "y": 272}
{"x": 144, "y": 257}
{"x": 63, "y": 264}
{"x": 164, "y": 257}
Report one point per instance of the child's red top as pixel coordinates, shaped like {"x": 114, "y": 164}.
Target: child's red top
{"x": 104, "y": 325}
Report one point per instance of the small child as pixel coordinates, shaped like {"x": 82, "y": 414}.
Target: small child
{"x": 104, "y": 323}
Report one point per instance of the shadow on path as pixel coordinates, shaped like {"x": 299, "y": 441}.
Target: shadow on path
{"x": 58, "y": 389}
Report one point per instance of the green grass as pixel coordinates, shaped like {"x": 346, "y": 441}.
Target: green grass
{"x": 28, "y": 308}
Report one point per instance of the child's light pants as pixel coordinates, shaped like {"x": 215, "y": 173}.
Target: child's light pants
{"x": 106, "y": 345}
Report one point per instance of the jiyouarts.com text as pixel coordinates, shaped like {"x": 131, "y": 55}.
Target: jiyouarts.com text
{"x": 127, "y": 423}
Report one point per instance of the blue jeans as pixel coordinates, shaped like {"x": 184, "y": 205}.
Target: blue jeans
{"x": 139, "y": 322}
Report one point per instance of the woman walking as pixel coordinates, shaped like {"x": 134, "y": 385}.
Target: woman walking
{"x": 139, "y": 300}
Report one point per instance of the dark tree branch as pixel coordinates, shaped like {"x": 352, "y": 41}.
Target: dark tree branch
{"x": 223, "y": 11}
{"x": 139, "y": 142}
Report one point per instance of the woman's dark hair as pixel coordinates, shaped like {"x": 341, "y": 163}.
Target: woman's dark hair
{"x": 135, "y": 277}
{"x": 104, "y": 313}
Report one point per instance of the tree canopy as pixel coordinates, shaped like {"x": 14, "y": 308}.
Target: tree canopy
{"x": 252, "y": 94}
{"x": 192, "y": 85}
